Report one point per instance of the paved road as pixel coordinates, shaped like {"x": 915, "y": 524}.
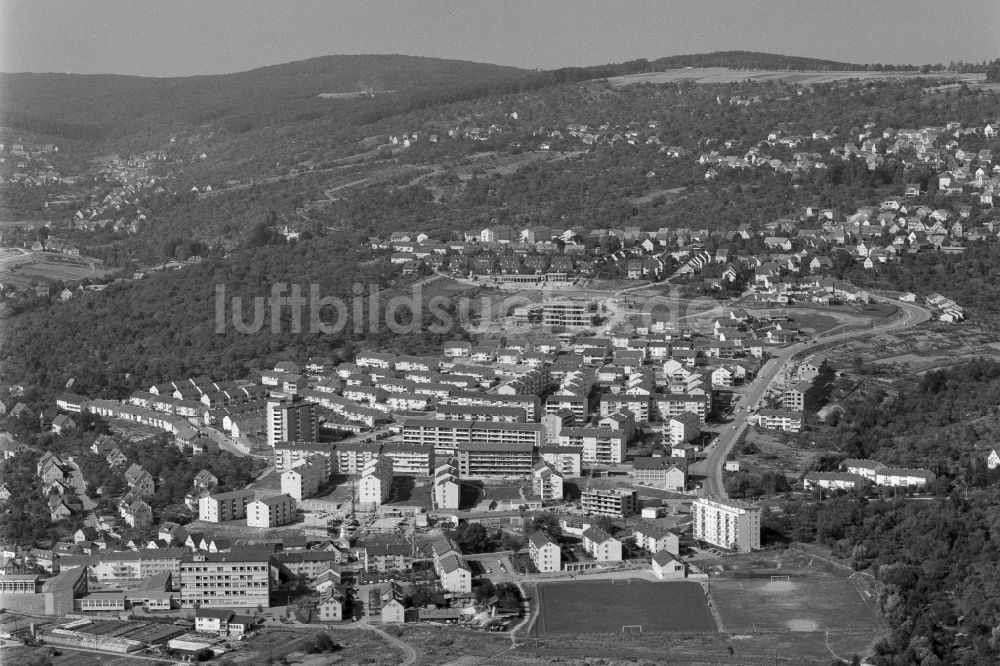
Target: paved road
{"x": 223, "y": 440}
{"x": 712, "y": 465}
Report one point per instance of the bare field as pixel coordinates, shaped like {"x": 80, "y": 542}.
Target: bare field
{"x": 924, "y": 348}
{"x": 726, "y": 75}
{"x": 832, "y": 610}
{"x": 29, "y": 656}
{"x": 776, "y": 453}
{"x": 357, "y": 646}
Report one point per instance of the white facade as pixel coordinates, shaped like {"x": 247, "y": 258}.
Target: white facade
{"x": 271, "y": 511}
{"x": 447, "y": 490}
{"x": 304, "y": 481}
{"x": 376, "y": 481}
{"x": 545, "y": 553}
{"x": 732, "y": 525}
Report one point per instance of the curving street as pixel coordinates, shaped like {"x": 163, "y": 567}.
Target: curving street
{"x": 712, "y": 466}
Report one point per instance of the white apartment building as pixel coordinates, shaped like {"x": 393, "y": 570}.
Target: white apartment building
{"x": 376, "y": 481}
{"x": 304, "y": 481}
{"x": 602, "y": 546}
{"x": 601, "y": 446}
{"x": 271, "y": 511}
{"x": 221, "y": 507}
{"x": 621, "y": 503}
{"x": 289, "y": 421}
{"x": 240, "y": 578}
{"x": 682, "y": 428}
{"x": 447, "y": 490}
{"x": 545, "y": 553}
{"x": 730, "y": 524}
{"x": 547, "y": 482}
{"x": 567, "y": 460}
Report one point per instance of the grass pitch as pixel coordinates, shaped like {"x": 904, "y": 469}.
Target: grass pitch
{"x": 604, "y": 606}
{"x": 750, "y": 605}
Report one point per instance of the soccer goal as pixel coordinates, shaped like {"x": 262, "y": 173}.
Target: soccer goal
{"x": 631, "y": 628}
{"x": 783, "y": 579}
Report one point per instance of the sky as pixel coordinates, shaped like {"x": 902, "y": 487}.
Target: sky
{"x": 185, "y": 37}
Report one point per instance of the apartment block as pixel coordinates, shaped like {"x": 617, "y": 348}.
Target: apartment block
{"x": 620, "y": 503}
{"x": 730, "y": 524}
{"x": 572, "y": 314}
{"x": 670, "y": 405}
{"x": 544, "y": 552}
{"x": 567, "y": 460}
{"x": 375, "y": 485}
{"x": 221, "y": 507}
{"x": 351, "y": 458}
{"x": 237, "y": 579}
{"x": 304, "y": 481}
{"x": 408, "y": 459}
{"x": 483, "y": 459}
{"x": 289, "y": 421}
{"x": 447, "y": 489}
{"x": 683, "y": 428}
{"x": 547, "y": 482}
{"x": 271, "y": 511}
{"x": 531, "y": 404}
{"x": 287, "y": 455}
{"x": 602, "y": 546}
{"x": 601, "y": 446}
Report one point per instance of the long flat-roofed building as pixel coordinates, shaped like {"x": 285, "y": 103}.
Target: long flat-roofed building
{"x": 221, "y": 507}
{"x": 602, "y": 446}
{"x": 446, "y": 436}
{"x": 237, "y": 579}
{"x": 621, "y": 503}
{"x": 482, "y": 413}
{"x": 531, "y": 404}
{"x": 287, "y": 455}
{"x": 409, "y": 459}
{"x": 479, "y": 459}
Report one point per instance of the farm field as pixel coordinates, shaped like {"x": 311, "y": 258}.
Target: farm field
{"x": 606, "y": 606}
{"x": 924, "y": 348}
{"x": 726, "y": 75}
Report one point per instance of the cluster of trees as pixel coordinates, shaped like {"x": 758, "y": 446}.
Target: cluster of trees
{"x": 936, "y": 422}
{"x": 168, "y": 325}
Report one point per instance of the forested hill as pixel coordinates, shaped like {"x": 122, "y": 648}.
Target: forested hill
{"x": 755, "y": 60}
{"x": 97, "y": 107}
{"x": 101, "y": 106}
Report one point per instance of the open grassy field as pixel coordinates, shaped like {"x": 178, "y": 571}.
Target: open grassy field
{"x": 833, "y": 609}
{"x": 748, "y": 605}
{"x": 605, "y": 606}
{"x": 726, "y": 75}
{"x": 29, "y": 269}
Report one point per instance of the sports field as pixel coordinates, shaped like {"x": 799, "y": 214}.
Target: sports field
{"x": 750, "y": 605}
{"x": 606, "y": 606}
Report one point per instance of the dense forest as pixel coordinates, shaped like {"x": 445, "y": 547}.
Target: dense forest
{"x": 167, "y": 326}
{"x": 940, "y": 420}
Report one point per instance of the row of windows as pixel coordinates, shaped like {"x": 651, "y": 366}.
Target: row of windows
{"x": 187, "y": 569}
